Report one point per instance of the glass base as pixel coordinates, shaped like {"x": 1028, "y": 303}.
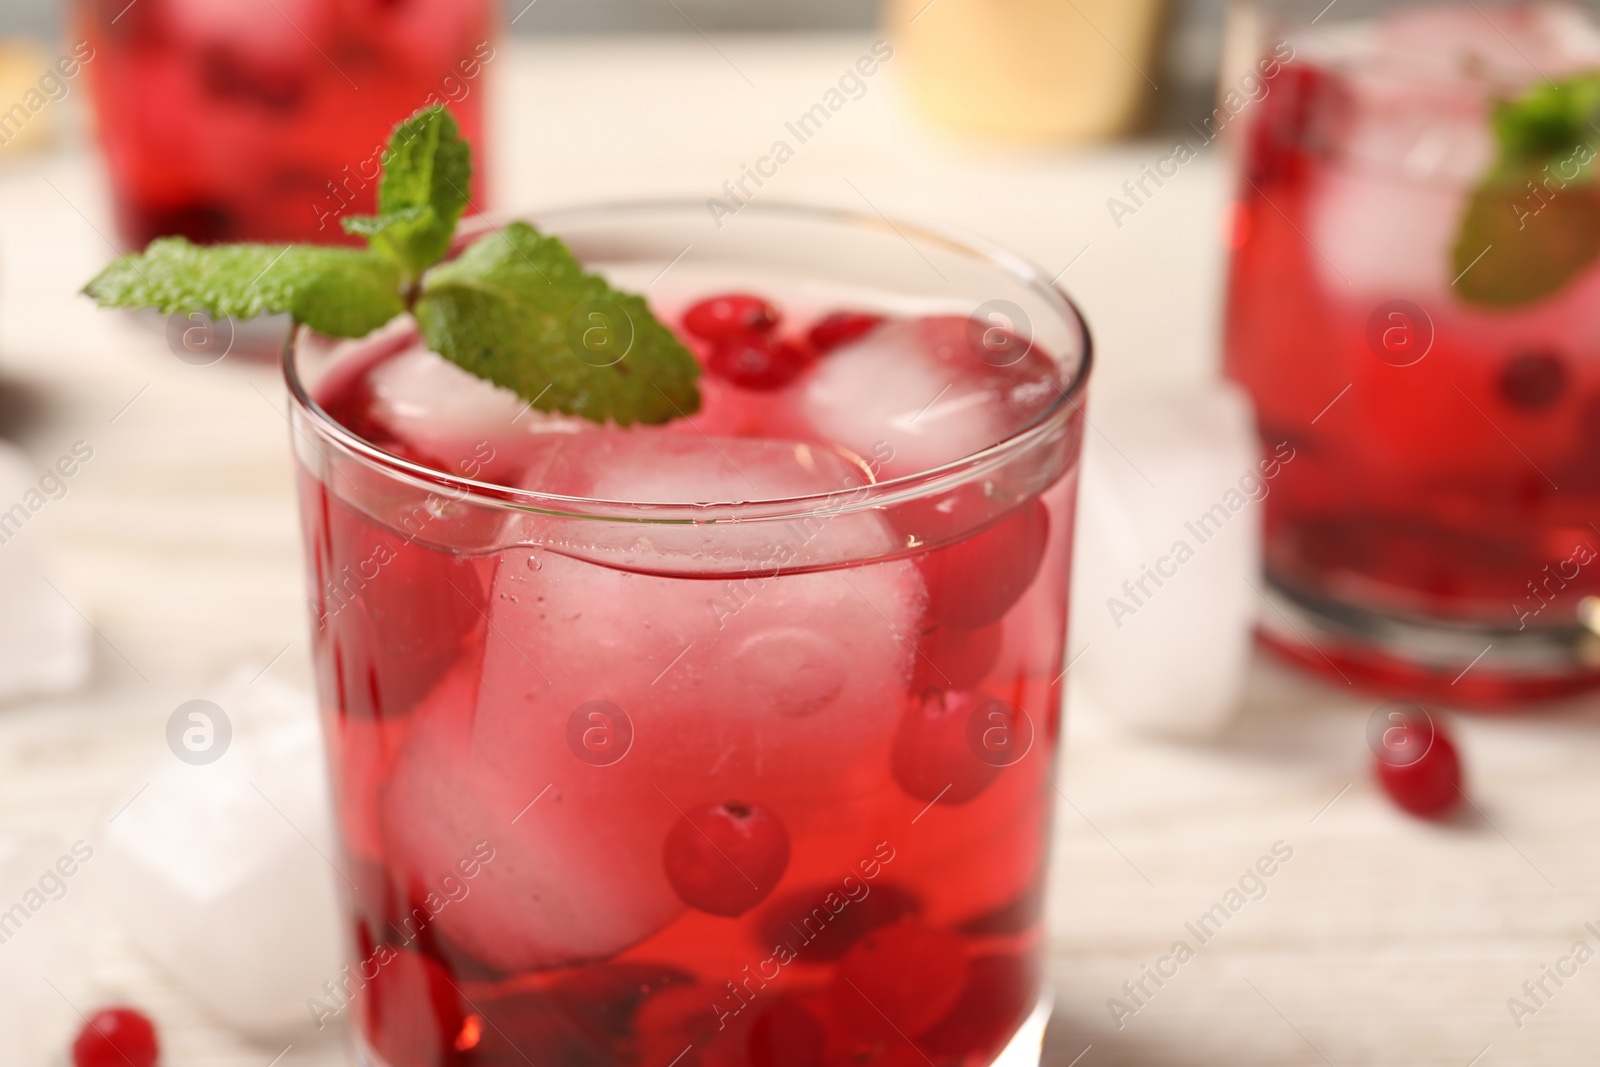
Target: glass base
{"x": 1026, "y": 1048}
{"x": 1467, "y": 666}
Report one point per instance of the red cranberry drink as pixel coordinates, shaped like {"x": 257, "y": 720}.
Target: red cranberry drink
{"x": 725, "y": 741}
{"x": 264, "y": 120}
{"x": 1413, "y": 307}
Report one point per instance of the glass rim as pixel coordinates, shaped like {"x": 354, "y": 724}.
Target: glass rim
{"x": 871, "y": 494}
{"x": 1420, "y": 66}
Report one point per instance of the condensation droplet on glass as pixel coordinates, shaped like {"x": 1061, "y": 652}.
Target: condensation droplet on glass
{"x": 533, "y": 563}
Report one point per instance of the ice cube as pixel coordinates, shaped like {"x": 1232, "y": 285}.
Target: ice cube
{"x": 668, "y": 467}
{"x": 926, "y": 390}
{"x": 462, "y": 423}
{"x": 1382, "y": 238}
{"x": 632, "y": 697}
{"x": 223, "y": 870}
{"x": 44, "y": 959}
{"x": 44, "y": 642}
{"x": 1168, "y": 546}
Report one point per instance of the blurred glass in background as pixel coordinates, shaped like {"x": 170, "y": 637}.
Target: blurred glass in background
{"x": 265, "y": 120}
{"x": 1413, "y": 309}
{"x": 1029, "y": 69}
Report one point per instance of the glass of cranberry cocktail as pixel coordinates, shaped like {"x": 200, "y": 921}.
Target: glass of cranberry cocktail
{"x": 1412, "y": 307}
{"x": 727, "y": 741}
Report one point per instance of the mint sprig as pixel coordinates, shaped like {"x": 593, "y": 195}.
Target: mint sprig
{"x": 422, "y": 193}
{"x": 1532, "y": 224}
{"x": 515, "y": 307}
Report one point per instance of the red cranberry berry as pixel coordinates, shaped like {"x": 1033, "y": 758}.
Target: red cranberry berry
{"x": 839, "y": 329}
{"x": 726, "y": 858}
{"x": 785, "y": 1034}
{"x": 604, "y": 997}
{"x": 116, "y": 1037}
{"x": 711, "y": 1024}
{"x": 999, "y": 993}
{"x": 411, "y": 1011}
{"x": 901, "y": 977}
{"x": 972, "y": 583}
{"x": 757, "y": 361}
{"x": 723, "y": 318}
{"x": 529, "y": 1020}
{"x": 955, "y": 659}
{"x": 396, "y": 615}
{"x": 1533, "y": 381}
{"x": 1417, "y": 764}
{"x": 932, "y": 758}
{"x": 793, "y": 919}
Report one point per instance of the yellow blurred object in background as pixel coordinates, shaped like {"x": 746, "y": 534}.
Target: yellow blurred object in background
{"x": 1037, "y": 70}
{"x": 26, "y": 121}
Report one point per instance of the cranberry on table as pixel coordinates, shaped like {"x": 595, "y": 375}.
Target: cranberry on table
{"x": 116, "y": 1037}
{"x": 757, "y": 361}
{"x": 723, "y": 318}
{"x": 902, "y": 978}
{"x": 724, "y": 859}
{"x": 840, "y": 328}
{"x": 1417, "y": 765}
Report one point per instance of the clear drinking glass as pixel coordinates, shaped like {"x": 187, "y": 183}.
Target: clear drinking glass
{"x": 748, "y": 766}
{"x": 1436, "y": 532}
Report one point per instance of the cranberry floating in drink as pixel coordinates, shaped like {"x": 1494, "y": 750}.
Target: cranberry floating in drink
{"x": 676, "y": 715}
{"x": 1412, "y": 308}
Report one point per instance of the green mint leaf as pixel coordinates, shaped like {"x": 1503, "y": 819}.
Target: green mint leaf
{"x": 336, "y": 291}
{"x": 426, "y": 171}
{"x": 517, "y": 308}
{"x": 1533, "y": 222}
{"x": 370, "y": 226}
{"x": 1549, "y": 119}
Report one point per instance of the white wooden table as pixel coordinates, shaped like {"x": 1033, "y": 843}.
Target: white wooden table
{"x": 1382, "y": 941}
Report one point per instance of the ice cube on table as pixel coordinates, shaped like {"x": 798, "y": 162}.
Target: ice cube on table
{"x": 222, "y": 871}
{"x": 44, "y": 952}
{"x": 1168, "y": 546}
{"x": 773, "y": 690}
{"x": 44, "y": 642}
{"x": 927, "y": 389}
